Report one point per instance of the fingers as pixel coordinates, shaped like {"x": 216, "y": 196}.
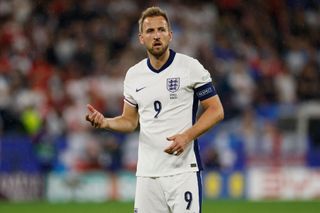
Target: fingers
{"x": 94, "y": 117}
{"x": 174, "y": 149}
{"x": 171, "y": 138}
{"x": 170, "y": 149}
{"x": 88, "y": 119}
{"x": 98, "y": 120}
{"x": 91, "y": 108}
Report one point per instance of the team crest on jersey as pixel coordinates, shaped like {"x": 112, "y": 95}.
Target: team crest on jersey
{"x": 173, "y": 84}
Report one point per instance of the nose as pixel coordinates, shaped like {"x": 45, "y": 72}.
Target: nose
{"x": 156, "y": 35}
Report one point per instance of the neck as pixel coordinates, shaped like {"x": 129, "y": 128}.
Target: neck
{"x": 158, "y": 61}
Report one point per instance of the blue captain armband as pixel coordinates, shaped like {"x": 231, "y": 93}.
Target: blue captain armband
{"x": 205, "y": 91}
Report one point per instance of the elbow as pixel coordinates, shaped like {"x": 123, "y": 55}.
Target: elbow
{"x": 220, "y": 114}
{"x": 132, "y": 127}
{"x": 217, "y": 113}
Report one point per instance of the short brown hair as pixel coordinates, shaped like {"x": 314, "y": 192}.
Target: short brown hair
{"x": 152, "y": 12}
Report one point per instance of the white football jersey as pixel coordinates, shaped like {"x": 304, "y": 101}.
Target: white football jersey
{"x": 167, "y": 102}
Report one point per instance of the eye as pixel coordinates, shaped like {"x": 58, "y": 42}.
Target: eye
{"x": 149, "y": 30}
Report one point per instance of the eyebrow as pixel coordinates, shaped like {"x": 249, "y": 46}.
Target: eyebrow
{"x": 153, "y": 28}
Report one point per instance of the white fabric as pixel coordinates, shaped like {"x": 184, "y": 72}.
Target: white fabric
{"x": 146, "y": 90}
{"x": 169, "y": 194}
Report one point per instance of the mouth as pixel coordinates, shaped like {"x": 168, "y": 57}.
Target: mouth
{"x": 157, "y": 44}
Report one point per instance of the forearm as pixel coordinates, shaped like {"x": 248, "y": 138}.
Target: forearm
{"x": 127, "y": 122}
{"x": 119, "y": 124}
{"x": 213, "y": 114}
{"x": 207, "y": 120}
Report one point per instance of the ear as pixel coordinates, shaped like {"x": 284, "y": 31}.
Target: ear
{"x": 171, "y": 35}
{"x": 141, "y": 38}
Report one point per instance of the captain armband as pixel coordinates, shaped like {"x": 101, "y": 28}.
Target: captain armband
{"x": 205, "y": 91}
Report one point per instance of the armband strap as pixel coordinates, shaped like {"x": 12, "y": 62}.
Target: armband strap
{"x": 205, "y": 91}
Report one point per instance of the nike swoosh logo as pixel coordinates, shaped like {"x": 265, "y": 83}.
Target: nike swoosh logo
{"x": 137, "y": 90}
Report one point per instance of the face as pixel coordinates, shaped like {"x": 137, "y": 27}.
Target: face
{"x": 155, "y": 35}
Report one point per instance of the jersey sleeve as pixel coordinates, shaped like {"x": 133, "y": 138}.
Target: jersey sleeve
{"x": 201, "y": 81}
{"x": 128, "y": 91}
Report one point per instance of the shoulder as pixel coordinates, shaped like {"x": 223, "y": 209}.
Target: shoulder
{"x": 186, "y": 60}
{"x": 138, "y": 67}
{"x": 189, "y": 63}
{"x": 185, "y": 57}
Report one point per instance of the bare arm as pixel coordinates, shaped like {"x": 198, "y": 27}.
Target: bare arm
{"x": 127, "y": 122}
{"x": 213, "y": 113}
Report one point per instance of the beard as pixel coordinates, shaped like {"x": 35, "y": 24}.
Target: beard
{"x": 157, "y": 53}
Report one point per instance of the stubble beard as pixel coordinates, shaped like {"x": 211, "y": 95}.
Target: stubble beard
{"x": 158, "y": 54}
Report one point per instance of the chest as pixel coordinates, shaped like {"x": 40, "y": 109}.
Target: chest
{"x": 167, "y": 87}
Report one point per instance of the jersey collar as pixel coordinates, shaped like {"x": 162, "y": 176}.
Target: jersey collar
{"x": 167, "y": 64}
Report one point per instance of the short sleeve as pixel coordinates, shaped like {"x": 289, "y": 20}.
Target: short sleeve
{"x": 128, "y": 91}
{"x": 198, "y": 74}
{"x": 201, "y": 81}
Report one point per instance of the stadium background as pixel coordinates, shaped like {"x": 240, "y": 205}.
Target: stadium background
{"x": 56, "y": 56}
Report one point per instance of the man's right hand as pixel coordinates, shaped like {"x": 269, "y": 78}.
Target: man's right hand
{"x": 95, "y": 117}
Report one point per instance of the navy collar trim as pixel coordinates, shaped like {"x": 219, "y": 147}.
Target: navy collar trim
{"x": 167, "y": 64}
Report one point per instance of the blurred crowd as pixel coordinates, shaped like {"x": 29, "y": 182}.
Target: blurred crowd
{"x": 56, "y": 56}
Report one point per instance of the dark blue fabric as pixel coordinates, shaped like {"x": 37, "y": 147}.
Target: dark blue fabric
{"x": 167, "y": 64}
{"x": 205, "y": 91}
